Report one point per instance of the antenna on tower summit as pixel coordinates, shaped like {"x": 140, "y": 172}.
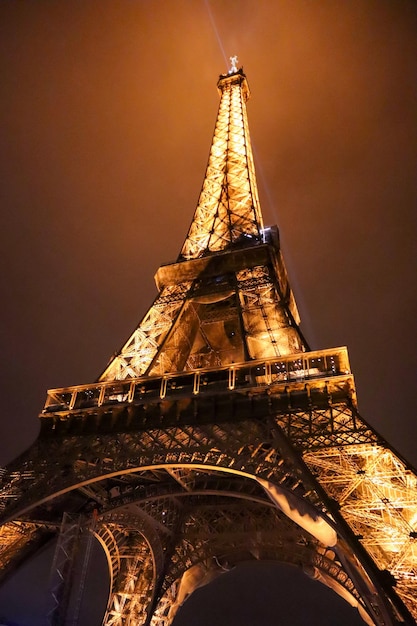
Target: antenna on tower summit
{"x": 233, "y": 64}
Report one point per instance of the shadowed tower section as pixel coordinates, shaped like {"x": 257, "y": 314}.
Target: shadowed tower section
{"x": 216, "y": 436}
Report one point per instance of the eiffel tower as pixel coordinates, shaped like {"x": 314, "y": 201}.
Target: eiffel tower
{"x": 216, "y": 436}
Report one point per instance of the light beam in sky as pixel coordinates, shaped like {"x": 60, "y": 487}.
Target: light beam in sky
{"x": 216, "y": 32}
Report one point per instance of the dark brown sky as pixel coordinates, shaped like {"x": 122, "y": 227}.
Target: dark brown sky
{"x": 107, "y": 110}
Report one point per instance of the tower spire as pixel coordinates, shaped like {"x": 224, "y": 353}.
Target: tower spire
{"x": 227, "y": 298}
{"x": 228, "y": 213}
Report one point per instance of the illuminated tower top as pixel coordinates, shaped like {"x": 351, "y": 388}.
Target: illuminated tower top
{"x": 227, "y": 299}
{"x": 228, "y": 213}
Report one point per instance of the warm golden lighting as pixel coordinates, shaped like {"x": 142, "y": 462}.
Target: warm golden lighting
{"x": 228, "y": 207}
{"x": 378, "y": 498}
{"x": 216, "y": 436}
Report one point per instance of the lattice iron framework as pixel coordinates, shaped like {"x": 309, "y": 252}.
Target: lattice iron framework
{"x": 228, "y": 208}
{"x": 216, "y": 436}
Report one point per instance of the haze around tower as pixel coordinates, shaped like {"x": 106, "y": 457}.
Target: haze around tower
{"x": 107, "y": 113}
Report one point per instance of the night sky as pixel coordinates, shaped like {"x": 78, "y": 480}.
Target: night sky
{"x": 107, "y": 111}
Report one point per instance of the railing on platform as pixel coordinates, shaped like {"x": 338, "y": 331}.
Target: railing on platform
{"x": 260, "y": 373}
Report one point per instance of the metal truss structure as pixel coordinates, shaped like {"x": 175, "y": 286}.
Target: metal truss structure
{"x": 215, "y": 436}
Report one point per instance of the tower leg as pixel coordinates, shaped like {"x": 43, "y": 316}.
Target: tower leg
{"x": 133, "y": 587}
{"x": 63, "y": 569}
